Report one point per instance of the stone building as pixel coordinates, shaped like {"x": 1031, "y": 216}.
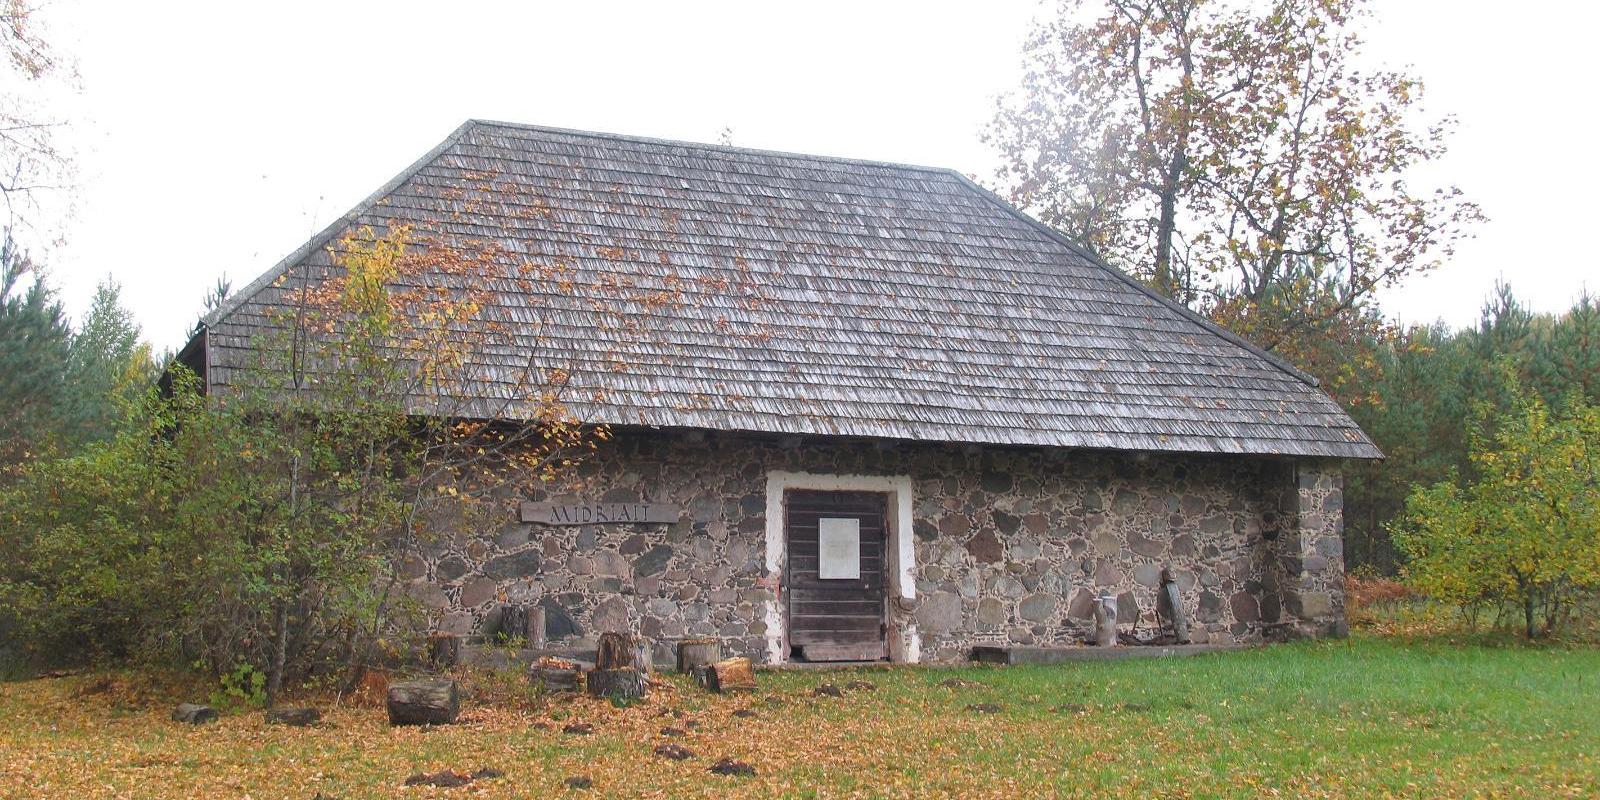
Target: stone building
{"x": 896, "y": 418}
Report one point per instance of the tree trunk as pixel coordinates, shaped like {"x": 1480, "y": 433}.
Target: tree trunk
{"x": 1167, "y": 227}
{"x": 625, "y": 682}
{"x": 280, "y": 652}
{"x": 427, "y": 702}
{"x": 694, "y": 653}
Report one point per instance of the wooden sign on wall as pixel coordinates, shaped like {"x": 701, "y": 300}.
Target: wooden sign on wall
{"x": 599, "y": 513}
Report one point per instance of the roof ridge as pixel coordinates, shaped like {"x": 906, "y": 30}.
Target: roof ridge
{"x": 719, "y": 148}
{"x": 1188, "y": 313}
{"x": 322, "y": 237}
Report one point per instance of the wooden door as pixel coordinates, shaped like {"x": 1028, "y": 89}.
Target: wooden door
{"x": 834, "y": 616}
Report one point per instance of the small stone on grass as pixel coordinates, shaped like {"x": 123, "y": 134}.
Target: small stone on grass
{"x": 448, "y": 778}
{"x": 674, "y": 751}
{"x": 728, "y": 766}
{"x": 194, "y": 714}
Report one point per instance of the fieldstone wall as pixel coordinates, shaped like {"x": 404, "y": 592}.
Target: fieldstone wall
{"x": 1309, "y": 575}
{"x": 1010, "y": 544}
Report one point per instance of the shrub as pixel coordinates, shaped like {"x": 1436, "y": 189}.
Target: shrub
{"x": 1525, "y": 530}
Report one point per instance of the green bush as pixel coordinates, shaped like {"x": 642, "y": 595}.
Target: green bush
{"x": 1524, "y": 530}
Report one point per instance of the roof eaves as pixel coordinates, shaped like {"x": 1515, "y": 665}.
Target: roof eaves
{"x": 327, "y": 234}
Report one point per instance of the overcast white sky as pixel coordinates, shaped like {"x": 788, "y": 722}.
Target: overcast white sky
{"x": 215, "y": 137}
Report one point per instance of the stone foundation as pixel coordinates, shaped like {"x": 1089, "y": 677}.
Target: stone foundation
{"x": 1009, "y": 545}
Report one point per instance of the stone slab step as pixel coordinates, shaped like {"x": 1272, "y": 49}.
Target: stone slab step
{"x": 1060, "y": 655}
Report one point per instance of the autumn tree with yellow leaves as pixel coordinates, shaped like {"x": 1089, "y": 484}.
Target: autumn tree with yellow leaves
{"x": 1239, "y": 158}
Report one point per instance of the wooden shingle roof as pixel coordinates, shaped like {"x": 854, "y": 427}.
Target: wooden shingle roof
{"x": 896, "y": 301}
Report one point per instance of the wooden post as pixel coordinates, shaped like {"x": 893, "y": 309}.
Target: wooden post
{"x": 535, "y": 631}
{"x": 694, "y": 653}
{"x": 428, "y": 702}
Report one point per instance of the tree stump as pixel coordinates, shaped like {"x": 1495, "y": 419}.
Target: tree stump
{"x": 425, "y": 702}
{"x": 618, "y": 650}
{"x": 733, "y": 674}
{"x": 694, "y": 653}
{"x": 444, "y": 650}
{"x": 625, "y": 683}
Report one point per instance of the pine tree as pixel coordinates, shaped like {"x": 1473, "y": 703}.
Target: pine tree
{"x": 106, "y": 367}
{"x": 35, "y": 340}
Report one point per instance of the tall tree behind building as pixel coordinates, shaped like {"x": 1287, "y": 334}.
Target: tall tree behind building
{"x": 1236, "y": 157}
{"x": 35, "y": 339}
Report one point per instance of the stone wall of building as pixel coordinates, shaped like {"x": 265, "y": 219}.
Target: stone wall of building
{"x": 1010, "y": 544}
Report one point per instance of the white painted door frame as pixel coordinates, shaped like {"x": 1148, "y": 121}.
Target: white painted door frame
{"x": 904, "y": 643}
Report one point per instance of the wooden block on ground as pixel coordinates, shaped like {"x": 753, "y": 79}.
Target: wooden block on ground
{"x": 424, "y": 702}
{"x": 728, "y": 675}
{"x": 553, "y": 675}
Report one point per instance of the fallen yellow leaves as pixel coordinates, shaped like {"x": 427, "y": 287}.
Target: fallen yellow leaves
{"x": 1219, "y": 728}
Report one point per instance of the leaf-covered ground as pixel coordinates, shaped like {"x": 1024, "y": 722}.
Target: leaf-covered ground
{"x": 1363, "y": 718}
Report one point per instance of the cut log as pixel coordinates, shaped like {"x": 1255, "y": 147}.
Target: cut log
{"x": 733, "y": 674}
{"x": 444, "y": 650}
{"x": 295, "y": 717}
{"x": 194, "y": 714}
{"x": 694, "y": 653}
{"x": 625, "y": 683}
{"x": 426, "y": 702}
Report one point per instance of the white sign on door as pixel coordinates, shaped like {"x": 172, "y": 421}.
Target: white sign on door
{"x": 838, "y": 548}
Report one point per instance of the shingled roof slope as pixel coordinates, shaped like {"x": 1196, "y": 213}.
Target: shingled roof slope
{"x": 896, "y": 301}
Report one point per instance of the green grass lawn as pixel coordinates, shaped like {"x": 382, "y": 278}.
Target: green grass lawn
{"x": 1361, "y": 718}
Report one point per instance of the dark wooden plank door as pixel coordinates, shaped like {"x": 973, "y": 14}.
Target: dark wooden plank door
{"x": 836, "y": 619}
